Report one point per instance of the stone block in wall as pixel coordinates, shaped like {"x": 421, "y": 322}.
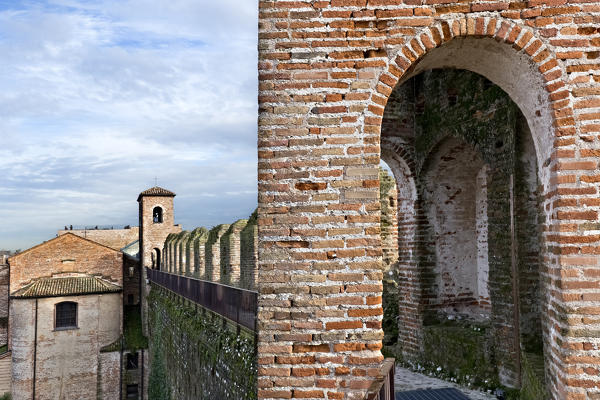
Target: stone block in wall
{"x": 230, "y": 253}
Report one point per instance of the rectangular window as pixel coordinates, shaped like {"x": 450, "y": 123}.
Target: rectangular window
{"x": 132, "y": 361}
{"x": 65, "y": 315}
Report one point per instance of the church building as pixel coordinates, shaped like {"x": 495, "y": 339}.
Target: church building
{"x": 75, "y": 328}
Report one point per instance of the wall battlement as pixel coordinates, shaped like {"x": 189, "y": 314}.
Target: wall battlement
{"x": 227, "y": 253}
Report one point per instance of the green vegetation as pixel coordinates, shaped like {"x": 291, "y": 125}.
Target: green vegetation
{"x": 197, "y": 351}
{"x": 132, "y": 332}
{"x": 5, "y": 396}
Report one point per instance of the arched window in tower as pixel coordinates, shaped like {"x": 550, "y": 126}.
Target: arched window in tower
{"x": 157, "y": 215}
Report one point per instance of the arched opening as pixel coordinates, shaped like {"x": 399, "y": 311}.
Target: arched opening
{"x": 157, "y": 215}
{"x": 156, "y": 260}
{"x": 469, "y": 218}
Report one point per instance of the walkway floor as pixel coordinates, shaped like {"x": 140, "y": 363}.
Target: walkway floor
{"x": 407, "y": 380}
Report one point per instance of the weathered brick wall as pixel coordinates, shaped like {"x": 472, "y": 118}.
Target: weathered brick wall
{"x": 131, "y": 281}
{"x": 109, "y": 375}
{"x": 152, "y": 234}
{"x": 67, "y": 253}
{"x": 212, "y": 253}
{"x": 326, "y": 71}
{"x": 67, "y": 361}
{"x": 389, "y": 219}
{"x": 231, "y": 253}
{"x": 114, "y": 238}
{"x": 249, "y": 254}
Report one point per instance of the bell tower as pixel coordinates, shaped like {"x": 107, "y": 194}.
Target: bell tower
{"x": 156, "y": 223}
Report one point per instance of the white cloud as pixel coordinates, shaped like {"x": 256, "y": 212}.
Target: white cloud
{"x": 101, "y": 96}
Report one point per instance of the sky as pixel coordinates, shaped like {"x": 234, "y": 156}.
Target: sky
{"x": 100, "y": 97}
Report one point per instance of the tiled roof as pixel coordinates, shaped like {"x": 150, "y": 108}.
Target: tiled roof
{"x": 156, "y": 191}
{"x": 66, "y": 286}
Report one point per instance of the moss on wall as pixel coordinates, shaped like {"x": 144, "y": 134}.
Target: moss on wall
{"x": 460, "y": 350}
{"x": 196, "y": 355}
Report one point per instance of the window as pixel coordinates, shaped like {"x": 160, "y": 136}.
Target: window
{"x": 132, "y": 391}
{"x": 65, "y": 316}
{"x": 132, "y": 361}
{"x": 157, "y": 215}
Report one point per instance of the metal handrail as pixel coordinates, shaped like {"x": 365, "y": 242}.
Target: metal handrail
{"x": 236, "y": 304}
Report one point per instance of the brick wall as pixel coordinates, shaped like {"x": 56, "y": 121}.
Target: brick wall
{"x": 326, "y": 71}
{"x": 114, "y": 238}
{"x": 66, "y": 253}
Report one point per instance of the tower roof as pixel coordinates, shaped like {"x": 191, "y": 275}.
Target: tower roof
{"x": 156, "y": 191}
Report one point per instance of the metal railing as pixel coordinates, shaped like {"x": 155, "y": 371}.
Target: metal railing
{"x": 383, "y": 387}
{"x": 235, "y": 304}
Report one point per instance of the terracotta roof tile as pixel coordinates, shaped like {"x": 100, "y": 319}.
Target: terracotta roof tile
{"x": 66, "y": 286}
{"x": 156, "y": 191}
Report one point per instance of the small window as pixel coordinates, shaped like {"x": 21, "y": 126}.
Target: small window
{"x": 132, "y": 391}
{"x": 66, "y": 315}
{"x": 130, "y": 299}
{"x": 132, "y": 361}
{"x": 157, "y": 215}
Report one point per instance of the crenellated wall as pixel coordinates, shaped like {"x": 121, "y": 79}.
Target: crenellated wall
{"x": 227, "y": 253}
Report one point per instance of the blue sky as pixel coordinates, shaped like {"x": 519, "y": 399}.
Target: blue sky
{"x": 99, "y": 97}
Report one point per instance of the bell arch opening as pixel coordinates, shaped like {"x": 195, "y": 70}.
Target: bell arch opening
{"x": 469, "y": 214}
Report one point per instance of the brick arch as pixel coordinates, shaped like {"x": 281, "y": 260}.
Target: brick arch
{"x": 555, "y": 105}
{"x": 403, "y": 61}
{"x": 399, "y": 156}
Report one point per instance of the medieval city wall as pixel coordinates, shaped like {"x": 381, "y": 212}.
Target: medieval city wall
{"x": 196, "y": 354}
{"x": 227, "y": 253}
{"x": 327, "y": 70}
